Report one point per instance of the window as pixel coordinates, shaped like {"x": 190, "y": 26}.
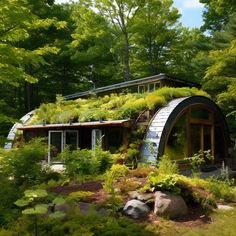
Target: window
{"x": 192, "y": 132}
{"x": 157, "y": 85}
{"x": 141, "y": 89}
{"x": 58, "y": 139}
{"x": 55, "y": 142}
{"x": 201, "y": 114}
{"x": 151, "y": 88}
{"x": 71, "y": 139}
{"x": 176, "y": 146}
{"x": 96, "y": 138}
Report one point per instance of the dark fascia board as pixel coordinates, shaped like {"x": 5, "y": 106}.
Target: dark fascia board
{"x": 124, "y": 123}
{"x": 128, "y": 84}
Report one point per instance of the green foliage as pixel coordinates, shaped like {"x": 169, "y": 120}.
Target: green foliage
{"x": 166, "y": 166}
{"x": 80, "y": 195}
{"x": 154, "y": 101}
{"x": 142, "y": 171}
{"x": 198, "y": 159}
{"x": 162, "y": 182}
{"x": 91, "y": 224}
{"x": 117, "y": 171}
{"x": 221, "y": 189}
{"x": 109, "y": 107}
{"x": 217, "y": 13}
{"x": 86, "y": 162}
{"x": 222, "y": 224}
{"x": 24, "y": 164}
{"x": 34, "y": 201}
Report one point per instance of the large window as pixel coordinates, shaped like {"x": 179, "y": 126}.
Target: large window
{"x": 176, "y": 146}
{"x": 96, "y": 138}
{"x": 58, "y": 139}
{"x": 192, "y": 132}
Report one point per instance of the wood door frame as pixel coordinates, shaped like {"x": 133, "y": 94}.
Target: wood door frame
{"x": 201, "y": 122}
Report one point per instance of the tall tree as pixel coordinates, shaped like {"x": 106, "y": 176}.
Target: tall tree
{"x": 155, "y": 31}
{"x": 121, "y": 14}
{"x": 17, "y": 22}
{"x": 217, "y": 13}
{"x": 220, "y": 77}
{"x": 91, "y": 46}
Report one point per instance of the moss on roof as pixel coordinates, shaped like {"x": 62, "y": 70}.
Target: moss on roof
{"x": 108, "y": 107}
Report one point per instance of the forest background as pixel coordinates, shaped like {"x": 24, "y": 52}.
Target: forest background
{"x": 48, "y": 49}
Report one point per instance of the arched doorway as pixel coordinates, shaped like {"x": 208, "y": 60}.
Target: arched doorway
{"x": 186, "y": 126}
{"x": 192, "y": 131}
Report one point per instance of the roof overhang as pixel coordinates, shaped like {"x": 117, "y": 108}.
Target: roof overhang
{"x": 92, "y": 124}
{"x": 130, "y": 83}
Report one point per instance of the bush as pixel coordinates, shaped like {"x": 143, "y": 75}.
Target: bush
{"x": 117, "y": 171}
{"x": 154, "y": 101}
{"x": 221, "y": 189}
{"x": 79, "y": 195}
{"x": 162, "y": 182}
{"x": 86, "y": 162}
{"x": 92, "y": 224}
{"x": 143, "y": 171}
{"x": 166, "y": 166}
{"x": 24, "y": 164}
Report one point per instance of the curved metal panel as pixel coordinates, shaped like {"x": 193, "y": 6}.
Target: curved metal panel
{"x": 150, "y": 150}
{"x": 12, "y": 133}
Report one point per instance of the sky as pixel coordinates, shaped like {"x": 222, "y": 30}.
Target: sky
{"x": 191, "y": 11}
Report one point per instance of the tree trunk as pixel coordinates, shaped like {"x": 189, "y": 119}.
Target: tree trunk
{"x": 126, "y": 58}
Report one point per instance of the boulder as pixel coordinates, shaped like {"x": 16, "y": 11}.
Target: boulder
{"x": 143, "y": 197}
{"x": 169, "y": 205}
{"x": 136, "y": 209}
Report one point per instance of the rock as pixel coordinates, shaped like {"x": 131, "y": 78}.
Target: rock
{"x": 136, "y": 209}
{"x": 133, "y": 194}
{"x": 224, "y": 207}
{"x": 169, "y": 205}
{"x": 144, "y": 197}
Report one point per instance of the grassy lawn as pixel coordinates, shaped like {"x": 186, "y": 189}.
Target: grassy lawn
{"x": 221, "y": 223}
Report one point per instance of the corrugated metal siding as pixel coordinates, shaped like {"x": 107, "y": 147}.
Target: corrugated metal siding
{"x": 12, "y": 133}
{"x": 155, "y": 131}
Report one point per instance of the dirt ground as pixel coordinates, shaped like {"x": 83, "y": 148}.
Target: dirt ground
{"x": 196, "y": 217}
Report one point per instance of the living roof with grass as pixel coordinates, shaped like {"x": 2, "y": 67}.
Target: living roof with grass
{"x": 108, "y": 107}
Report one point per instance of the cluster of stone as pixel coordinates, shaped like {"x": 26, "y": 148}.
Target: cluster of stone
{"x": 163, "y": 204}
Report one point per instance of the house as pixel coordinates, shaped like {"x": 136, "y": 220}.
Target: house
{"x": 180, "y": 128}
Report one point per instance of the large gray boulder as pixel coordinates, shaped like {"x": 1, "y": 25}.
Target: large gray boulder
{"x": 169, "y": 205}
{"x": 136, "y": 209}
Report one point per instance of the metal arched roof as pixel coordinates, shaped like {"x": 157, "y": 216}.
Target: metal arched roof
{"x": 12, "y": 133}
{"x": 161, "y": 122}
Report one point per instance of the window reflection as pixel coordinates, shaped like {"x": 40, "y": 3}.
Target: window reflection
{"x": 176, "y": 146}
{"x": 197, "y": 113}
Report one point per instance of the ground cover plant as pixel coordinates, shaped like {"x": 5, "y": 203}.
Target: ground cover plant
{"x": 109, "y": 107}
{"x": 106, "y": 187}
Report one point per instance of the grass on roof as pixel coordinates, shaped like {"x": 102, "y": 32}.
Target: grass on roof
{"x": 108, "y": 107}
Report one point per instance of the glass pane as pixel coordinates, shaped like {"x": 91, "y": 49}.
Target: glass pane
{"x": 195, "y": 139}
{"x": 151, "y": 87}
{"x": 55, "y": 143}
{"x": 207, "y": 139}
{"x": 198, "y": 113}
{"x": 72, "y": 139}
{"x": 157, "y": 86}
{"x": 96, "y": 138}
{"x": 141, "y": 89}
{"x": 176, "y": 146}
